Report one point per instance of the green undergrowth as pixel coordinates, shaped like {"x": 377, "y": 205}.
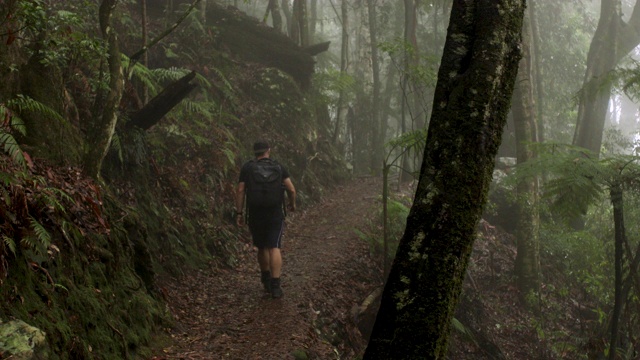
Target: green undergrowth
{"x": 76, "y": 280}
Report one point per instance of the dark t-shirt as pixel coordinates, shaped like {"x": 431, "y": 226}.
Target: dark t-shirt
{"x": 261, "y": 215}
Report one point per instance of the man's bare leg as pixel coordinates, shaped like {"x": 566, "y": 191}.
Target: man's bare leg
{"x": 275, "y": 260}
{"x": 263, "y": 259}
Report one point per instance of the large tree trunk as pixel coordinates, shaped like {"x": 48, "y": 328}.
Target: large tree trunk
{"x": 527, "y": 265}
{"x": 100, "y": 136}
{"x": 613, "y": 40}
{"x": 471, "y": 102}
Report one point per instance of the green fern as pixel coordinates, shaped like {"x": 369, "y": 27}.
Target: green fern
{"x": 11, "y": 147}
{"x": 170, "y": 74}
{"x": 577, "y": 179}
{"x": 9, "y": 243}
{"x": 22, "y": 103}
{"x": 42, "y": 235}
{"x": 141, "y": 73}
{"x": 50, "y": 195}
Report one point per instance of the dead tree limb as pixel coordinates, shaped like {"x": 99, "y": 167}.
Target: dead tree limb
{"x": 162, "y": 103}
{"x": 316, "y": 49}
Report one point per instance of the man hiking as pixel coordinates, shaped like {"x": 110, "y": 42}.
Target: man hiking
{"x": 264, "y": 182}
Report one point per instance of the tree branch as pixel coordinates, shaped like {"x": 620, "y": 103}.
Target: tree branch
{"x": 168, "y": 31}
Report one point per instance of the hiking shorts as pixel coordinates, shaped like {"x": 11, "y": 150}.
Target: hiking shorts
{"x": 268, "y": 234}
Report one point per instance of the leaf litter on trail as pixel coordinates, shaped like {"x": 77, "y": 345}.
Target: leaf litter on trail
{"x": 225, "y": 313}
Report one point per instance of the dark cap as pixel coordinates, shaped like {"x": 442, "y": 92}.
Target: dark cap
{"x": 260, "y": 147}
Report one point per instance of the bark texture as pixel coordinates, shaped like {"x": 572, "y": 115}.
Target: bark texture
{"x": 100, "y": 136}
{"x": 472, "y": 98}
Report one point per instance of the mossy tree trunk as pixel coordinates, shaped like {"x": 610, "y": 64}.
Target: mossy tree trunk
{"x": 471, "y": 102}
{"x": 527, "y": 265}
{"x": 99, "y": 138}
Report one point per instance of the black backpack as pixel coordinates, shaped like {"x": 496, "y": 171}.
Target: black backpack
{"x": 265, "y": 187}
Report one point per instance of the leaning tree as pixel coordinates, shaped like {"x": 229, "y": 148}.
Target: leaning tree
{"x": 471, "y": 101}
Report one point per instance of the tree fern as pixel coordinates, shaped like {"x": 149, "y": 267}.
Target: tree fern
{"x": 576, "y": 179}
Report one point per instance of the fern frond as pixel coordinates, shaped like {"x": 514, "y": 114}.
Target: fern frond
{"x": 42, "y": 234}
{"x": 231, "y": 157}
{"x": 28, "y": 242}
{"x": 145, "y": 76}
{"x": 170, "y": 74}
{"x": 11, "y": 147}
{"x": 204, "y": 108}
{"x": 116, "y": 145}
{"x": 23, "y": 103}
{"x": 52, "y": 200}
{"x": 411, "y": 139}
{"x": 9, "y": 243}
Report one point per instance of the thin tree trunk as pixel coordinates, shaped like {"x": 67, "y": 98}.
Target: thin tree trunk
{"x": 527, "y": 264}
{"x": 274, "y": 9}
{"x": 313, "y": 20}
{"x": 203, "y": 12}
{"x": 410, "y": 20}
{"x": 620, "y": 234}
{"x": 295, "y": 23}
{"x": 145, "y": 57}
{"x": 475, "y": 82}
{"x": 376, "y": 123}
{"x": 535, "y": 37}
{"x": 100, "y": 136}
{"x": 286, "y": 10}
{"x": 344, "y": 62}
{"x": 303, "y": 19}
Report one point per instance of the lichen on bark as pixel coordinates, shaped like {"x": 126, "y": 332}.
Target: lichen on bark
{"x": 454, "y": 180}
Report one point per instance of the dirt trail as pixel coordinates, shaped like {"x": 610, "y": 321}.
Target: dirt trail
{"x": 225, "y": 314}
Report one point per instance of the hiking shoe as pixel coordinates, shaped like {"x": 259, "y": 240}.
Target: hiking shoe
{"x": 276, "y": 290}
{"x": 265, "y": 278}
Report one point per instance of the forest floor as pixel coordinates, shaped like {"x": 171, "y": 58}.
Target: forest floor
{"x": 225, "y": 313}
